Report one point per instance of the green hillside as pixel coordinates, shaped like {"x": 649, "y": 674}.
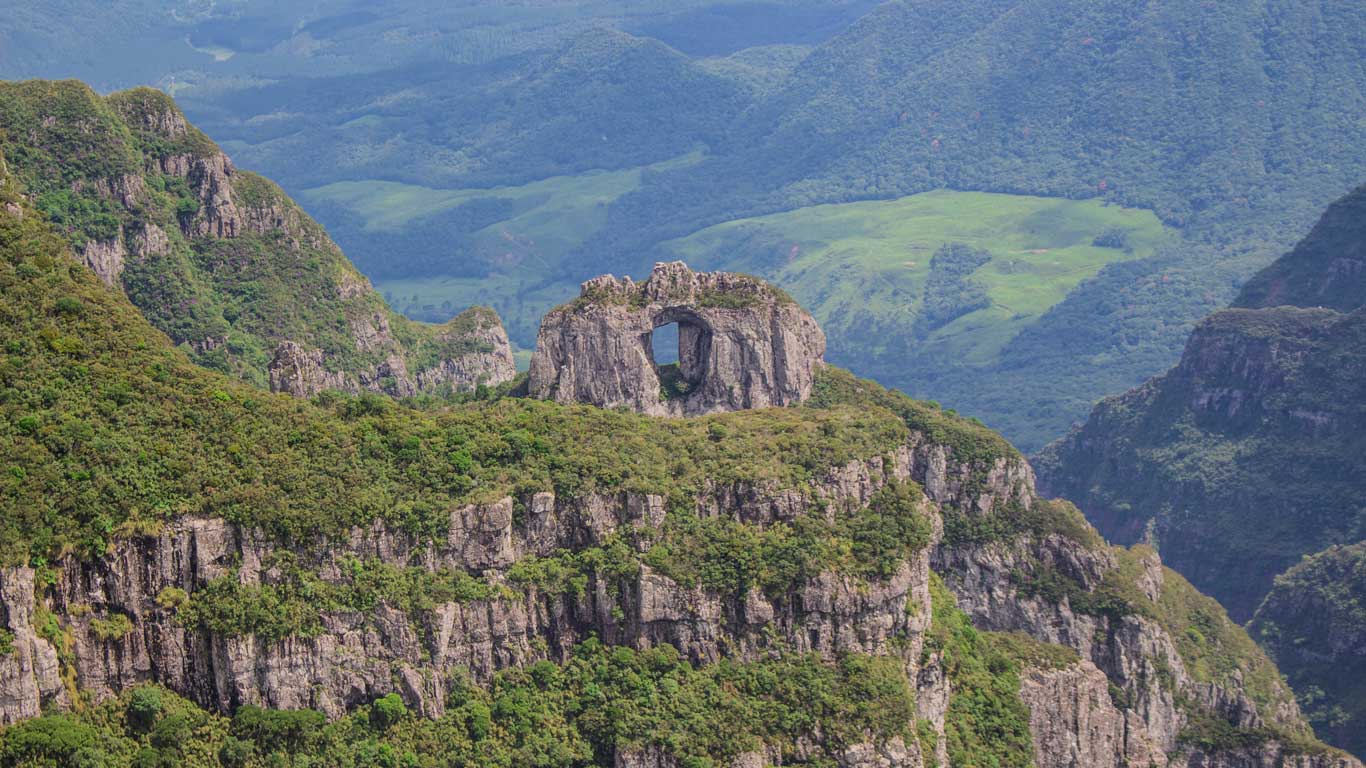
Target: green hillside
{"x": 1326, "y": 269}
{"x": 110, "y": 432}
{"x": 1248, "y": 456}
{"x": 220, "y": 260}
{"x": 1185, "y": 108}
{"x": 867, "y": 271}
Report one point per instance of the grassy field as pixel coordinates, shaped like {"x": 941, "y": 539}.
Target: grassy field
{"x": 861, "y": 267}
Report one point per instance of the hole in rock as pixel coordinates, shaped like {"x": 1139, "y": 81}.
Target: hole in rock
{"x": 664, "y": 342}
{"x": 679, "y": 349}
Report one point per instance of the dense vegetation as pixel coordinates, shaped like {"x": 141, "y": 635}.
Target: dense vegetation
{"x": 110, "y": 432}
{"x": 1313, "y": 623}
{"x": 601, "y": 701}
{"x": 101, "y": 170}
{"x": 542, "y": 144}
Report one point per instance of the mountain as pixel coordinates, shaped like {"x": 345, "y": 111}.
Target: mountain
{"x": 1234, "y": 125}
{"x": 1248, "y": 455}
{"x": 220, "y": 259}
{"x": 1313, "y": 622}
{"x": 1326, "y": 269}
{"x": 196, "y": 572}
{"x": 500, "y": 155}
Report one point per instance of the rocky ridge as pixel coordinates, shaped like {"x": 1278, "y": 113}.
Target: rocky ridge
{"x": 220, "y": 259}
{"x": 1076, "y": 717}
{"x": 1248, "y": 455}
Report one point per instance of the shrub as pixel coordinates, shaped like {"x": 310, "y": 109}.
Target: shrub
{"x": 144, "y": 707}
{"x": 115, "y": 627}
{"x": 387, "y": 711}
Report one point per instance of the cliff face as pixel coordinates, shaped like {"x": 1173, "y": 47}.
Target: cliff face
{"x": 742, "y": 344}
{"x": 1128, "y": 700}
{"x": 220, "y": 259}
{"x": 1250, "y": 454}
{"x": 863, "y": 580}
{"x": 1262, "y": 417}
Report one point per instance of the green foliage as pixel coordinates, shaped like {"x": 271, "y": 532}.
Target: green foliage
{"x": 1320, "y": 599}
{"x": 1318, "y": 271}
{"x": 294, "y": 603}
{"x": 730, "y": 556}
{"x": 388, "y": 711}
{"x": 116, "y": 627}
{"x": 950, "y": 290}
{"x": 6, "y": 642}
{"x": 87, "y": 460}
{"x": 1232, "y": 492}
{"x": 144, "y": 708}
{"x": 987, "y": 723}
{"x": 1116, "y": 596}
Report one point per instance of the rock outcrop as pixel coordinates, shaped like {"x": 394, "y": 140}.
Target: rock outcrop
{"x": 742, "y": 344}
{"x": 476, "y": 353}
{"x": 210, "y": 253}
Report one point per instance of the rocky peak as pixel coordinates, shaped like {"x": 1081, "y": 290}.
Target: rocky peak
{"x": 742, "y": 344}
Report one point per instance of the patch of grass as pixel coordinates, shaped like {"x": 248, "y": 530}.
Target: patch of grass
{"x": 862, "y": 268}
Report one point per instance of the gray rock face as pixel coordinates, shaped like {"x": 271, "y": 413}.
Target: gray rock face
{"x": 105, "y": 258}
{"x": 742, "y": 344}
{"x": 1076, "y": 725}
{"x": 360, "y": 656}
{"x": 480, "y": 354}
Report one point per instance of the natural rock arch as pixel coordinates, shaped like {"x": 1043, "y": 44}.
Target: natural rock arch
{"x": 742, "y": 344}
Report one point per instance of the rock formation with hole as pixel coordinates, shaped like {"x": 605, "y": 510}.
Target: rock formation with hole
{"x": 742, "y": 344}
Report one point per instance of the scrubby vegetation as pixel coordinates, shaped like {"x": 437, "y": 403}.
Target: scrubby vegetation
{"x": 1311, "y": 623}
{"x": 109, "y": 432}
{"x": 987, "y": 723}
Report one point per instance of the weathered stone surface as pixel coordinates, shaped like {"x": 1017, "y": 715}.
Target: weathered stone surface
{"x": 742, "y": 344}
{"x": 105, "y": 258}
{"x": 299, "y": 371}
{"x": 1076, "y": 725}
{"x": 29, "y": 674}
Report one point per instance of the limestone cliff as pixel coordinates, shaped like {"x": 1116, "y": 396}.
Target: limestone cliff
{"x": 1128, "y": 701}
{"x": 742, "y": 344}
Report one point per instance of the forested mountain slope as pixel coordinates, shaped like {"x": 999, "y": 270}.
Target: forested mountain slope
{"x": 1326, "y": 269}
{"x": 220, "y": 259}
{"x": 517, "y": 582}
{"x": 1250, "y": 455}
